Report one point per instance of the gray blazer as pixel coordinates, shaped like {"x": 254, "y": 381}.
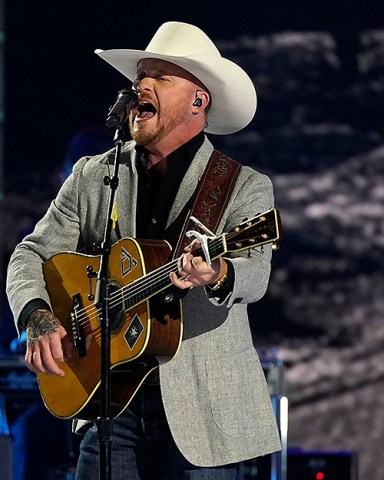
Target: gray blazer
{"x": 214, "y": 391}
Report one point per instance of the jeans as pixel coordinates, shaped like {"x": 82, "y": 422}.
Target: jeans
{"x": 143, "y": 447}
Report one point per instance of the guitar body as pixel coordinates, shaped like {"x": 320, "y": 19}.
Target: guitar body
{"x": 145, "y": 331}
{"x": 142, "y": 337}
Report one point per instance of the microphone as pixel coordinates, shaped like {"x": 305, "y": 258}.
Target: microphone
{"x": 118, "y": 113}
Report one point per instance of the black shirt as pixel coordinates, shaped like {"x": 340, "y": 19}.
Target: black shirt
{"x": 157, "y": 189}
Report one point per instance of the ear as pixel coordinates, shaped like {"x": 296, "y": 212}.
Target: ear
{"x": 201, "y": 101}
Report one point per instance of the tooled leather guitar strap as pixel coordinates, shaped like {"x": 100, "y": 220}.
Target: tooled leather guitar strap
{"x": 211, "y": 196}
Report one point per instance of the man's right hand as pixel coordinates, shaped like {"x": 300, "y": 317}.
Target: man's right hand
{"x": 47, "y": 343}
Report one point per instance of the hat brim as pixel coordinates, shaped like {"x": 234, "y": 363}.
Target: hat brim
{"x": 234, "y": 99}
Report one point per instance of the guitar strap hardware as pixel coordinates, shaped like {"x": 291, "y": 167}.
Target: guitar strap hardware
{"x": 202, "y": 226}
{"x": 211, "y": 197}
{"x": 202, "y": 237}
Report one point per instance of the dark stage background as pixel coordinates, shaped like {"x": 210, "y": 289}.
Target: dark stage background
{"x": 318, "y": 68}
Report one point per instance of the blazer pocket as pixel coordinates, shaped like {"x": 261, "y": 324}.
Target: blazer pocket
{"x": 238, "y": 394}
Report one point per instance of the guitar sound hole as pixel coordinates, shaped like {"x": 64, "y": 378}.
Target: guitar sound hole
{"x": 116, "y": 308}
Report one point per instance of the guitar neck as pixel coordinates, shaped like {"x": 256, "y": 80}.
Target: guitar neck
{"x": 158, "y": 280}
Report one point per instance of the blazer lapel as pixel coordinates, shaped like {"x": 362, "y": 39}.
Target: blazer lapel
{"x": 191, "y": 179}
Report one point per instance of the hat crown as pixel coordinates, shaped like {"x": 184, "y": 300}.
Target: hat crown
{"x": 181, "y": 40}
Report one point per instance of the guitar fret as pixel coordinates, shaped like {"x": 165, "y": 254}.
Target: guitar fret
{"x": 156, "y": 281}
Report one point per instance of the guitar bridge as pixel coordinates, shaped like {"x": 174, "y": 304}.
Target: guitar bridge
{"x": 77, "y": 328}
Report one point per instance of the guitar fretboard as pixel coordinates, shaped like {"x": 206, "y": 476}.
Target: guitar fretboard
{"x": 158, "y": 280}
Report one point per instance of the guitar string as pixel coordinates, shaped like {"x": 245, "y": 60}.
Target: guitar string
{"x": 130, "y": 290}
{"x": 159, "y": 275}
{"x": 126, "y": 292}
{"x": 154, "y": 279}
{"x": 122, "y": 293}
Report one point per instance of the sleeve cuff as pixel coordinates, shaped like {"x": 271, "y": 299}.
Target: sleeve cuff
{"x": 30, "y": 307}
{"x": 227, "y": 286}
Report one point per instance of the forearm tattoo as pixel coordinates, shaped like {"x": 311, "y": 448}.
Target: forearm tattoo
{"x": 41, "y": 322}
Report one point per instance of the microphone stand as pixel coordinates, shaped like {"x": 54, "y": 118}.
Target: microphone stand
{"x": 104, "y": 422}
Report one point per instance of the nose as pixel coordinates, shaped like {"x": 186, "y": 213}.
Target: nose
{"x": 144, "y": 84}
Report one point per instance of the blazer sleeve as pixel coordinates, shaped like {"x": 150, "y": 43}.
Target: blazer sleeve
{"x": 253, "y": 195}
{"x": 57, "y": 231}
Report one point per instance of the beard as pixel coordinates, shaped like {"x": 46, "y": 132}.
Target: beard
{"x": 171, "y": 116}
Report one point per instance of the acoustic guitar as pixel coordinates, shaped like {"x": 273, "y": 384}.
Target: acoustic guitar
{"x": 146, "y": 328}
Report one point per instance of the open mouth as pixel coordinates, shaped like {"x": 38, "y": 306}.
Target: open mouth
{"x": 145, "y": 111}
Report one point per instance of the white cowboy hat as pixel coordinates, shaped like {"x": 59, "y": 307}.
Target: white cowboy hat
{"x": 232, "y": 91}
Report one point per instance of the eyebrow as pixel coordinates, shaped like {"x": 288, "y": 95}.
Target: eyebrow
{"x": 145, "y": 72}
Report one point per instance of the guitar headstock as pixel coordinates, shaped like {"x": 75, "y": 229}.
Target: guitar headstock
{"x": 259, "y": 230}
